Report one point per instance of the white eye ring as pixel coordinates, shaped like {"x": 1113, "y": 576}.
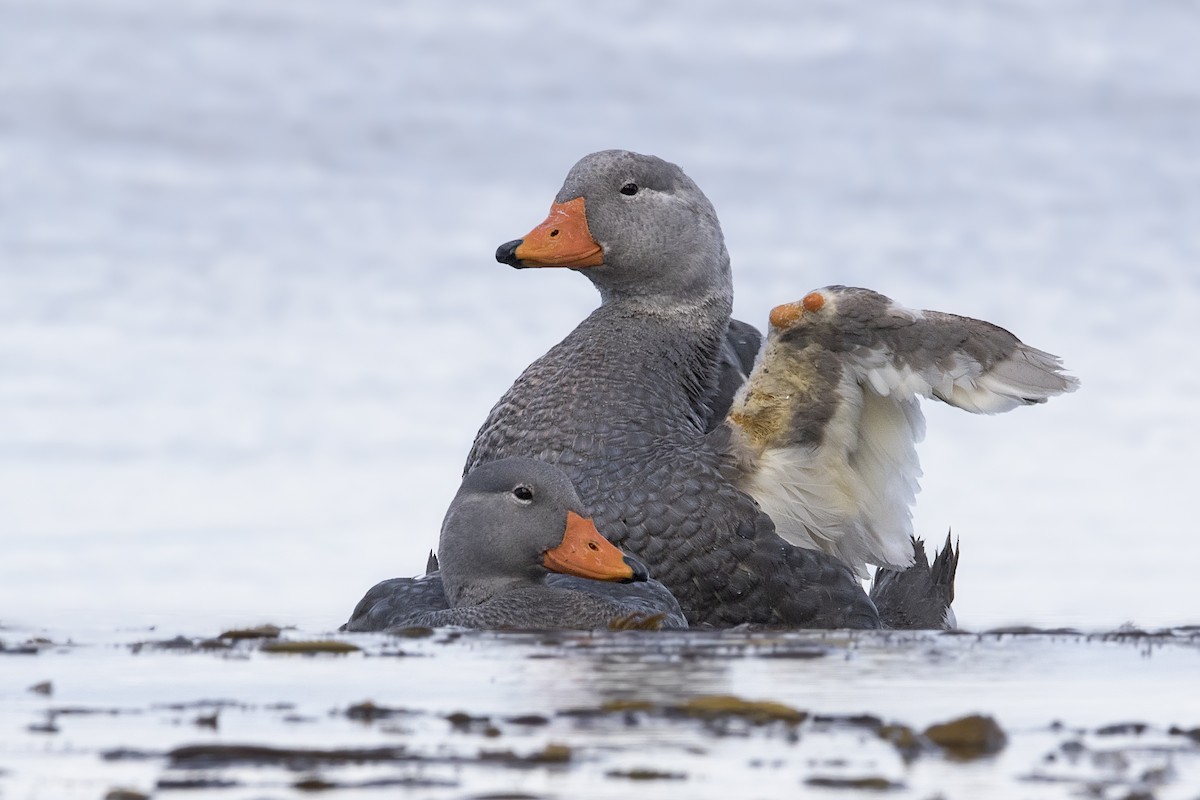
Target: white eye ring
{"x": 523, "y": 494}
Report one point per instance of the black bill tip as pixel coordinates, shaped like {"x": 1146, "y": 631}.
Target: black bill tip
{"x": 507, "y": 253}
{"x": 640, "y": 573}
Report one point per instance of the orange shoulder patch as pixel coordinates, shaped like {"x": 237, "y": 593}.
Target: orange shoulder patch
{"x": 786, "y": 315}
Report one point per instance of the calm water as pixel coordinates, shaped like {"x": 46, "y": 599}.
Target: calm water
{"x": 121, "y": 707}
{"x": 250, "y": 320}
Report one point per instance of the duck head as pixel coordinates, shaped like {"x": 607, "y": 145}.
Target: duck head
{"x": 511, "y": 523}
{"x": 637, "y": 227}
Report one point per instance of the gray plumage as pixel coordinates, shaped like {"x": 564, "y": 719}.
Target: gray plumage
{"x": 963, "y": 360}
{"x": 492, "y": 573}
{"x": 920, "y": 597}
{"x": 818, "y": 446}
{"x": 735, "y": 360}
{"x": 621, "y": 406}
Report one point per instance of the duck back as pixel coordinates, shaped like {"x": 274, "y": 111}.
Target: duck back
{"x": 620, "y": 406}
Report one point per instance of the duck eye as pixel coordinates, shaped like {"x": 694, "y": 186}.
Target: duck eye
{"x": 629, "y": 188}
{"x": 523, "y": 493}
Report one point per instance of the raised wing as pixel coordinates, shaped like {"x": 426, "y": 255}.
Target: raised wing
{"x": 824, "y": 432}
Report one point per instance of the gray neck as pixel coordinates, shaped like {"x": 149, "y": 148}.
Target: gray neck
{"x": 696, "y": 310}
{"x": 661, "y": 359}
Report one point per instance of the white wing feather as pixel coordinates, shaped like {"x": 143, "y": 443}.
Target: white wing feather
{"x": 850, "y": 495}
{"x": 850, "y": 489}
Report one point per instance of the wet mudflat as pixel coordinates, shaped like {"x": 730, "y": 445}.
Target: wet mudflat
{"x": 447, "y": 714}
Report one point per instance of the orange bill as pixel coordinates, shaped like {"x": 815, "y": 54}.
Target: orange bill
{"x": 563, "y": 240}
{"x": 586, "y": 554}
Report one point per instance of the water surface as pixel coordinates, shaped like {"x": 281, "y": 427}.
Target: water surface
{"x": 602, "y": 715}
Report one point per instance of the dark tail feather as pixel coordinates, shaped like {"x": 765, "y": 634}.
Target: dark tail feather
{"x": 945, "y": 567}
{"x": 919, "y": 597}
{"x": 432, "y": 566}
